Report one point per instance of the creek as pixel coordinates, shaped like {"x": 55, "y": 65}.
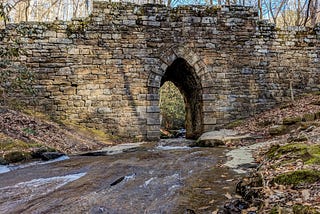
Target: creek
{"x": 163, "y": 177}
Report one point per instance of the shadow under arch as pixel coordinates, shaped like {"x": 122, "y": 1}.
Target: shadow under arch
{"x": 184, "y": 77}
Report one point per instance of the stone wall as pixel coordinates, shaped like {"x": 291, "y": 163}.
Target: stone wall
{"x": 105, "y": 71}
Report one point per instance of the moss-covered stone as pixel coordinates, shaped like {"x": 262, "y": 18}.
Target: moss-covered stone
{"x": 234, "y": 124}
{"x": 16, "y": 156}
{"x": 309, "y": 154}
{"x": 291, "y": 120}
{"x": 302, "y": 209}
{"x": 277, "y": 130}
{"x": 77, "y": 27}
{"x": 308, "y": 117}
{"x": 300, "y": 138}
{"x": 295, "y": 150}
{"x": 299, "y": 177}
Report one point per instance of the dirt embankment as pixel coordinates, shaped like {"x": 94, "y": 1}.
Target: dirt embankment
{"x": 288, "y": 177}
{"x": 23, "y": 136}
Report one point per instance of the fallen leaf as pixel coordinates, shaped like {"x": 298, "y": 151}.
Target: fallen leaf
{"x": 228, "y": 196}
{"x": 212, "y": 201}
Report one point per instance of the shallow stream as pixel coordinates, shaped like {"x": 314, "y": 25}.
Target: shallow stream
{"x": 164, "y": 177}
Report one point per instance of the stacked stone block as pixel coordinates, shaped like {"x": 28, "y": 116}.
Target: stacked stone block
{"x": 105, "y": 71}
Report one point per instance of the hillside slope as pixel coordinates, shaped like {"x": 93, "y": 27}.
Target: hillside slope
{"x": 288, "y": 177}
{"x": 22, "y": 132}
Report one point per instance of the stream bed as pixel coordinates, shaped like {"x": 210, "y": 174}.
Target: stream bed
{"x": 163, "y": 177}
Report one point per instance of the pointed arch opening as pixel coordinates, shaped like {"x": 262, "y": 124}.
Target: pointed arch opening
{"x": 184, "y": 77}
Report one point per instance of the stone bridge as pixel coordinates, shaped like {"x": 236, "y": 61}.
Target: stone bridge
{"x": 105, "y": 71}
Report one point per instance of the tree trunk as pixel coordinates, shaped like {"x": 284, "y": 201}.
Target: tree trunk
{"x": 26, "y": 12}
{"x": 314, "y": 13}
{"x": 260, "y": 9}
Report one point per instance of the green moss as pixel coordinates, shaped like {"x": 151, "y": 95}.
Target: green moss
{"x": 16, "y": 156}
{"x": 308, "y": 117}
{"x": 7, "y": 144}
{"x": 77, "y": 27}
{"x": 93, "y": 133}
{"x": 273, "y": 152}
{"x": 315, "y": 155}
{"x": 274, "y": 210}
{"x": 55, "y": 26}
{"x": 301, "y": 209}
{"x": 234, "y": 124}
{"x": 310, "y": 154}
{"x": 212, "y": 10}
{"x": 29, "y": 131}
{"x": 14, "y": 150}
{"x": 291, "y": 120}
{"x": 277, "y": 130}
{"x": 299, "y": 177}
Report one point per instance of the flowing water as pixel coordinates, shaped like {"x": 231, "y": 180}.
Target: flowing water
{"x": 167, "y": 177}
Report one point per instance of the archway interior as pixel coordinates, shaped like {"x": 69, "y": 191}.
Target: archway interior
{"x": 183, "y": 76}
{"x": 172, "y": 110}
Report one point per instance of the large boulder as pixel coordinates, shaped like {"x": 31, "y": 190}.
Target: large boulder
{"x": 219, "y": 138}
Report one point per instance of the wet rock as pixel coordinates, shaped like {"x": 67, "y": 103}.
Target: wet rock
{"x": 117, "y": 181}
{"x": 234, "y": 207}
{"x": 189, "y": 211}
{"x": 249, "y": 166}
{"x": 219, "y": 138}
{"x": 101, "y": 209}
{"x": 38, "y": 152}
{"x": 51, "y": 155}
{"x": 112, "y": 150}
{"x": 3, "y": 161}
{"x": 208, "y": 143}
{"x": 3, "y": 110}
{"x": 300, "y": 138}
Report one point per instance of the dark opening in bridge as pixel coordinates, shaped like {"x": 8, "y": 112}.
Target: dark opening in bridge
{"x": 183, "y": 76}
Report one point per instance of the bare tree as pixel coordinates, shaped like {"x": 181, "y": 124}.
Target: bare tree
{"x": 280, "y": 12}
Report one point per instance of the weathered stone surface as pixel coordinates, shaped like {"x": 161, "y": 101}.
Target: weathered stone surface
{"x": 277, "y": 130}
{"x": 102, "y": 73}
{"x": 219, "y": 138}
{"x": 50, "y": 155}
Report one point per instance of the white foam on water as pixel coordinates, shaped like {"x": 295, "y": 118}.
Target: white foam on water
{"x": 147, "y": 182}
{"x": 60, "y": 180}
{"x": 61, "y": 158}
{"x": 21, "y": 192}
{"x": 173, "y": 187}
{"x": 130, "y": 177}
{"x": 4, "y": 169}
{"x": 8, "y": 168}
{"x": 173, "y": 147}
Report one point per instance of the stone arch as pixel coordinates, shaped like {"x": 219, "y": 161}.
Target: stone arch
{"x": 186, "y": 70}
{"x": 169, "y": 56}
{"x": 183, "y": 76}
